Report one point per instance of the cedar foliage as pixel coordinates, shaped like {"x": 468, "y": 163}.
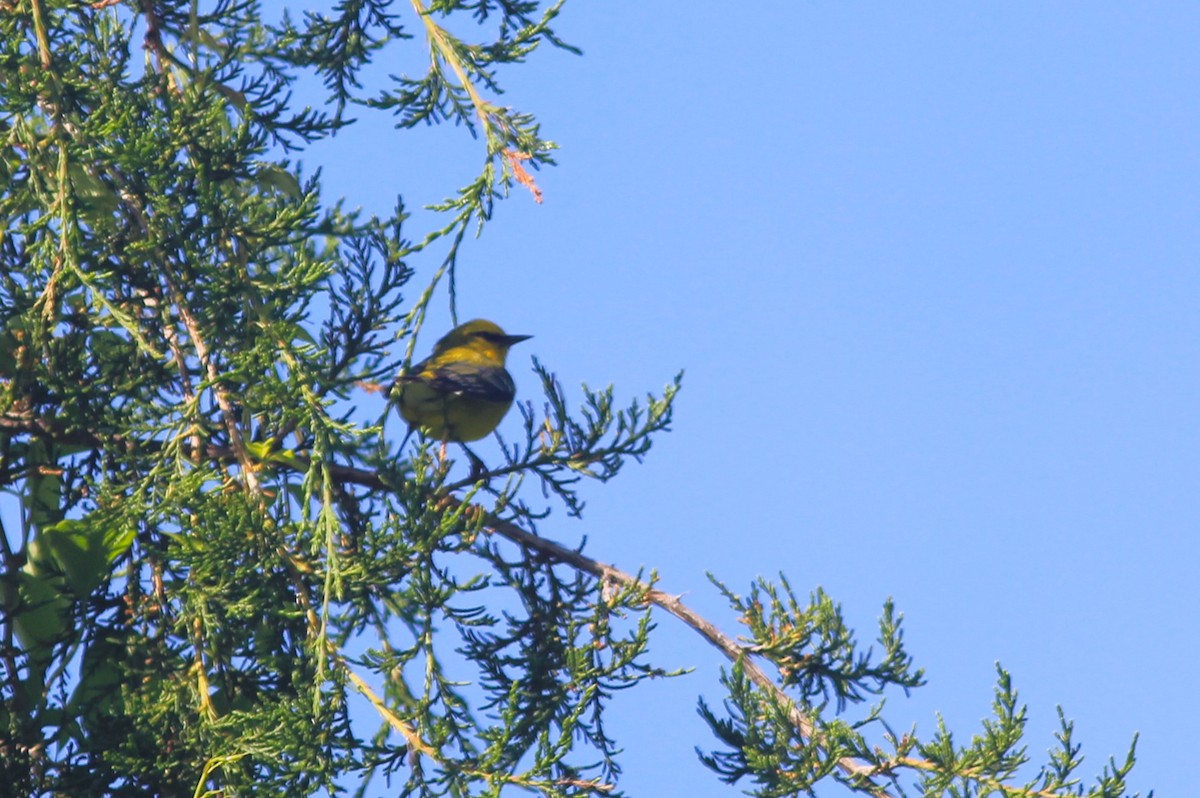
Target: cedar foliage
{"x": 218, "y": 577}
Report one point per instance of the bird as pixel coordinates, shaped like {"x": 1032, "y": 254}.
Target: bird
{"x": 461, "y": 392}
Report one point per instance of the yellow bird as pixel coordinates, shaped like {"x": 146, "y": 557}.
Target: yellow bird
{"x": 462, "y": 391}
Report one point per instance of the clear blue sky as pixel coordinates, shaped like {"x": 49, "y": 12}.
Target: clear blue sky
{"x": 932, "y": 272}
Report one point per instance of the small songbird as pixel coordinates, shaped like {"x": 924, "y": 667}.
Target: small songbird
{"x": 462, "y": 391}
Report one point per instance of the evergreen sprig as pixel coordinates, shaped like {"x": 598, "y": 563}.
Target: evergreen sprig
{"x": 215, "y": 576}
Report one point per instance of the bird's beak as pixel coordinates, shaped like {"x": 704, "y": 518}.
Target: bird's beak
{"x": 516, "y": 339}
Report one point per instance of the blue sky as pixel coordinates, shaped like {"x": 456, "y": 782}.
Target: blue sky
{"x": 932, "y": 273}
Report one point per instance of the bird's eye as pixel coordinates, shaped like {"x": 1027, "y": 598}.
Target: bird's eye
{"x": 490, "y": 336}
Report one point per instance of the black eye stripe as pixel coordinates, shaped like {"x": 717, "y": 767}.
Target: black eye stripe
{"x": 495, "y": 338}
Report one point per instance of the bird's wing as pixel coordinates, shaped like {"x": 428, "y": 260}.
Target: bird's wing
{"x": 489, "y": 383}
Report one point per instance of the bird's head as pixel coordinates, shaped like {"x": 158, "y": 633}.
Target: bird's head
{"x": 481, "y": 337}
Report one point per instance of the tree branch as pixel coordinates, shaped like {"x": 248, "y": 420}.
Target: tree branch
{"x": 860, "y": 772}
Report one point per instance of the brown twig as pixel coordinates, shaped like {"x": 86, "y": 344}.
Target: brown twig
{"x": 521, "y": 174}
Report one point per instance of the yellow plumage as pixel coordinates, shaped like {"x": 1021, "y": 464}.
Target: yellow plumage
{"x": 462, "y": 391}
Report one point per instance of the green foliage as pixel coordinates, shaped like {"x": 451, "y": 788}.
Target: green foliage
{"x": 215, "y": 577}
{"x": 785, "y": 739}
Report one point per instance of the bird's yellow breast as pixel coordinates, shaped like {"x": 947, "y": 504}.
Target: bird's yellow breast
{"x": 459, "y": 418}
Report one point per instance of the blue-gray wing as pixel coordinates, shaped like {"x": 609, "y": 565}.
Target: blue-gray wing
{"x": 489, "y": 383}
